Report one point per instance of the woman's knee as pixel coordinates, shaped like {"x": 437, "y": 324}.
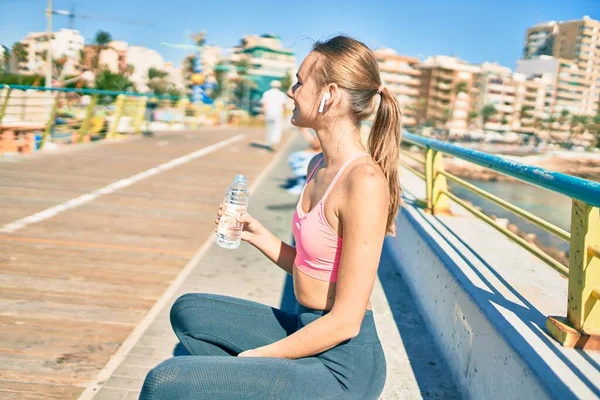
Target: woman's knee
{"x": 162, "y": 381}
{"x": 186, "y": 306}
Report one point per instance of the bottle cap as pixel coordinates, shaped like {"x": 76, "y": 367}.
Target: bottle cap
{"x": 240, "y": 178}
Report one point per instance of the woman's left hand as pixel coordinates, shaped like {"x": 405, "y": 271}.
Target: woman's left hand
{"x": 249, "y": 353}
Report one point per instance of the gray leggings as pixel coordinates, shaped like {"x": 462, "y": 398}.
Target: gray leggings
{"x": 215, "y": 329}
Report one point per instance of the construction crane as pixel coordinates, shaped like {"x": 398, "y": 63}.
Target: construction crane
{"x": 72, "y": 15}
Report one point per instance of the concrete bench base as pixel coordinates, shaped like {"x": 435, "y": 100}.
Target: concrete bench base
{"x": 486, "y": 301}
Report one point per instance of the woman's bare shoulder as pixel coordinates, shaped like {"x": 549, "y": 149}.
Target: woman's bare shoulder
{"x": 366, "y": 178}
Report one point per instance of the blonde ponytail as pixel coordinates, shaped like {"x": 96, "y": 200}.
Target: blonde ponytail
{"x": 384, "y": 146}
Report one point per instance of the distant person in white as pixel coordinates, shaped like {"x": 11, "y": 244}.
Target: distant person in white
{"x": 273, "y": 102}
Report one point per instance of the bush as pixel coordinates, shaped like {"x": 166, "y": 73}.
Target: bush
{"x": 20, "y": 79}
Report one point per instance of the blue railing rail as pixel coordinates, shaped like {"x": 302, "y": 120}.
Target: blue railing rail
{"x": 581, "y": 328}
{"x": 571, "y": 186}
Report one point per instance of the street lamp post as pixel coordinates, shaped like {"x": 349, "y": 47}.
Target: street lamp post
{"x": 49, "y": 52}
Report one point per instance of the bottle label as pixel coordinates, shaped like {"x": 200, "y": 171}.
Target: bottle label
{"x": 228, "y": 225}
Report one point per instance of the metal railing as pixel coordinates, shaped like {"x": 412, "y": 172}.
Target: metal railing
{"x": 583, "y": 271}
{"x": 66, "y": 115}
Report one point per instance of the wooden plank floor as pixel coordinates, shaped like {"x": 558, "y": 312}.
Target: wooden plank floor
{"x": 72, "y": 287}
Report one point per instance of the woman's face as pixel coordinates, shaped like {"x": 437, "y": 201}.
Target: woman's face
{"x": 306, "y": 95}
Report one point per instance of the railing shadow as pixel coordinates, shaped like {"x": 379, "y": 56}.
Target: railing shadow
{"x": 530, "y": 315}
{"x": 429, "y": 367}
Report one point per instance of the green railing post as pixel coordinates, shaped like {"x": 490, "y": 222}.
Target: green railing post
{"x": 50, "y": 123}
{"x": 139, "y": 117}
{"x": 581, "y": 328}
{"x": 5, "y": 104}
{"x": 85, "y": 124}
{"x": 119, "y": 105}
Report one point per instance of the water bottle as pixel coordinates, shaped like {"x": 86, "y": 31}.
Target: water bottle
{"x": 229, "y": 231}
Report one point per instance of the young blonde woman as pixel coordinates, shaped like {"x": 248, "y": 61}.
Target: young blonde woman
{"x": 329, "y": 348}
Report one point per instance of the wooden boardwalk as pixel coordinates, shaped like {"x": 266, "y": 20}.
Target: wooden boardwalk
{"x": 76, "y": 280}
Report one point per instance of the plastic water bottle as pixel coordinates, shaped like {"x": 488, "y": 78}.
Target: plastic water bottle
{"x": 229, "y": 231}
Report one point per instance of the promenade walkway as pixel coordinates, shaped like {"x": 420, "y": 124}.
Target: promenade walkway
{"x": 97, "y": 241}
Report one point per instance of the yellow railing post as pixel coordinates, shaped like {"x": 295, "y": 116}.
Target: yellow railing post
{"x": 429, "y": 178}
{"x": 581, "y": 329}
{"x": 437, "y": 201}
{"x": 50, "y": 122}
{"x": 5, "y": 103}
{"x": 85, "y": 124}
{"x": 119, "y": 105}
{"x": 139, "y": 117}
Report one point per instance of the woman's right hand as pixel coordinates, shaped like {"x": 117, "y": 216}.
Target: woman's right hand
{"x": 251, "y": 230}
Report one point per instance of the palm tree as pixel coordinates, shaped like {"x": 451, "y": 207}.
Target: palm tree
{"x": 6, "y": 58}
{"x": 102, "y": 38}
{"x": 156, "y": 73}
{"x": 525, "y": 112}
{"x": 564, "y": 115}
{"x": 538, "y": 124}
{"x": 242, "y": 66}
{"x": 471, "y": 116}
{"x": 551, "y": 120}
{"x": 129, "y": 70}
{"x": 157, "y": 81}
{"x": 594, "y": 128}
{"x": 487, "y": 112}
{"x": 101, "y": 41}
{"x": 19, "y": 52}
{"x": 461, "y": 87}
{"x": 577, "y": 124}
{"x": 106, "y": 80}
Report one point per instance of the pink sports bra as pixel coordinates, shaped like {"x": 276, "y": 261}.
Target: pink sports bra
{"x": 318, "y": 246}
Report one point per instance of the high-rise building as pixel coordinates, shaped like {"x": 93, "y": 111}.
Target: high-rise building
{"x": 539, "y": 40}
{"x": 400, "y": 76}
{"x": 575, "y": 48}
{"x": 447, "y": 85}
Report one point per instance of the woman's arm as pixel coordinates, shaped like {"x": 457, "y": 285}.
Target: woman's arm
{"x": 364, "y": 220}
{"x": 272, "y": 247}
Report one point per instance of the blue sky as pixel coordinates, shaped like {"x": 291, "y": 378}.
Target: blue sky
{"x": 475, "y": 30}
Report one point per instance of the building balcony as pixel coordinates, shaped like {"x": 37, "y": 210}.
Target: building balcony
{"x": 399, "y": 78}
{"x": 503, "y": 88}
{"x": 400, "y": 70}
{"x": 412, "y": 92}
{"x": 570, "y": 95}
{"x": 505, "y": 109}
{"x": 441, "y": 95}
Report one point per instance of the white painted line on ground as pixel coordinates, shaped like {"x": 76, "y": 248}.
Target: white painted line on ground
{"x": 117, "y": 358}
{"x": 86, "y": 198}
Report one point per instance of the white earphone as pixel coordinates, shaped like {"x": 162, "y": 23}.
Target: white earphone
{"x": 325, "y": 97}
